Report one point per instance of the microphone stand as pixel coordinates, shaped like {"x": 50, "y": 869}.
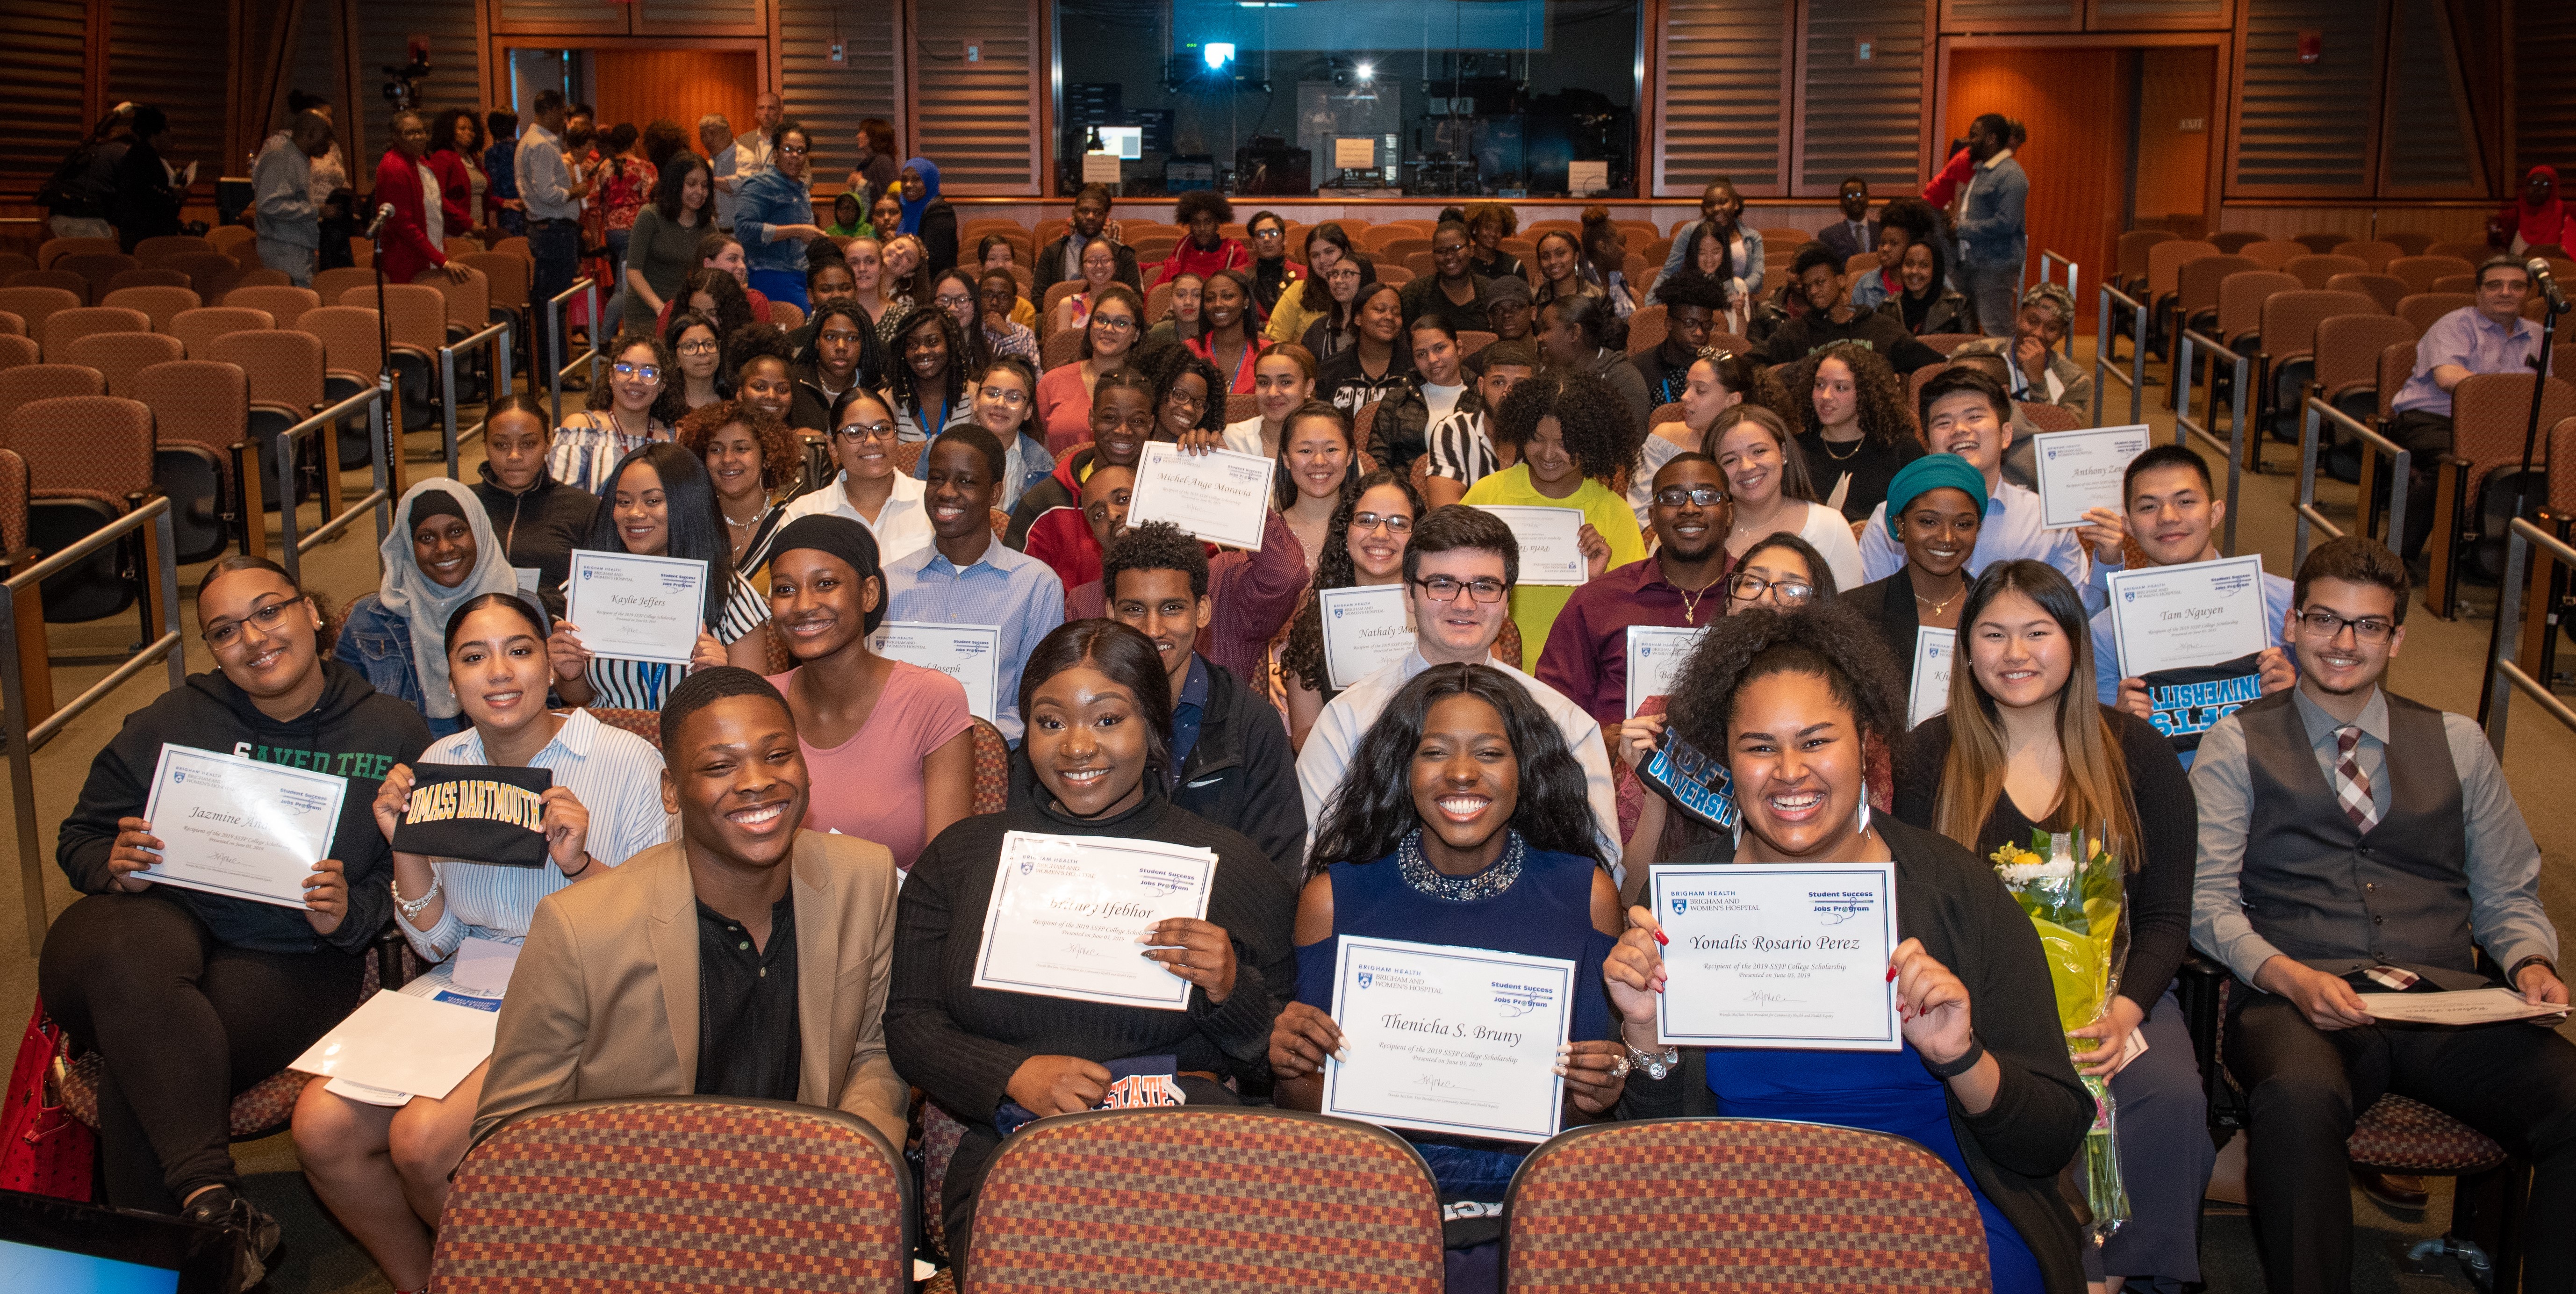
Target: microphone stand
{"x": 2531, "y": 426}
{"x": 385, "y": 351}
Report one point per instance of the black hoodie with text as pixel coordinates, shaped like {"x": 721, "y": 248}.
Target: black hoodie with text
{"x": 354, "y": 731}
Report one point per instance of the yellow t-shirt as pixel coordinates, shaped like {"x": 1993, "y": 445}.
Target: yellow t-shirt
{"x": 1024, "y": 314}
{"x": 1534, "y": 606}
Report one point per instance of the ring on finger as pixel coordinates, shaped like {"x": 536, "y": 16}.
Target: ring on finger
{"x": 1619, "y": 1067}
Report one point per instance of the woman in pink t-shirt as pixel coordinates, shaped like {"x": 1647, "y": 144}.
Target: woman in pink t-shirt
{"x": 889, "y": 747}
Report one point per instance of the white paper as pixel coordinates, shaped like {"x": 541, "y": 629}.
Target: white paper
{"x": 2199, "y": 613}
{"x": 1100, "y": 168}
{"x": 484, "y": 965}
{"x": 1365, "y": 628}
{"x": 1450, "y": 1040}
{"x": 1068, "y": 912}
{"x": 238, "y": 827}
{"x": 532, "y": 587}
{"x": 1582, "y": 179}
{"x": 632, "y": 607}
{"x": 1550, "y": 540}
{"x": 1933, "y": 649}
{"x": 400, "y": 1043}
{"x": 1656, "y": 655}
{"x": 1788, "y": 955}
{"x": 1220, "y": 496}
{"x": 1355, "y": 152}
{"x": 2083, "y": 469}
{"x": 2469, "y": 1006}
{"x": 970, "y": 654}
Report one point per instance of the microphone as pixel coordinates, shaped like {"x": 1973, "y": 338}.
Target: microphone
{"x": 386, "y": 212}
{"x": 2538, "y": 268}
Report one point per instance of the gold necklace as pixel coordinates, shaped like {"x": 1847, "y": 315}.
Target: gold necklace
{"x": 1943, "y": 604}
{"x": 1829, "y": 449}
{"x": 1691, "y": 600}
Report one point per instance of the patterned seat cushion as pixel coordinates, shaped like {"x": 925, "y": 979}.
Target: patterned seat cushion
{"x": 2400, "y": 1135}
{"x": 1733, "y": 1204}
{"x": 1205, "y": 1199}
{"x": 675, "y": 1194}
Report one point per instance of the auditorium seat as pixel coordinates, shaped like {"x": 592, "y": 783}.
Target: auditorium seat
{"x": 2489, "y": 412}
{"x": 118, "y": 356}
{"x": 67, "y": 326}
{"x": 162, "y": 247}
{"x": 284, "y": 305}
{"x": 2385, "y": 289}
{"x": 54, "y": 249}
{"x": 2422, "y": 308}
{"x": 147, "y": 277}
{"x": 158, "y": 304}
{"x": 89, "y": 457}
{"x": 197, "y": 328}
{"x": 200, "y": 415}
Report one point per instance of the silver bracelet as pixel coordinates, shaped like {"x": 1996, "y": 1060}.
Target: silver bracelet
{"x": 412, "y": 908}
{"x": 1654, "y": 1066}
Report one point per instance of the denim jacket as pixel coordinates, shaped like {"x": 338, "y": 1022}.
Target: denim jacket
{"x": 770, "y": 198}
{"x": 377, "y": 643}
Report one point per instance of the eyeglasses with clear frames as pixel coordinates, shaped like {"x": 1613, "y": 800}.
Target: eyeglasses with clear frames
{"x": 1674, "y": 496}
{"x": 1395, "y": 525}
{"x": 648, "y": 372}
{"x": 2326, "y": 626}
{"x": 1443, "y": 588}
{"x": 868, "y": 431}
{"x": 1007, "y": 397}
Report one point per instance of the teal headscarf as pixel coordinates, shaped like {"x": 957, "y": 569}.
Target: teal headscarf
{"x": 1932, "y": 472}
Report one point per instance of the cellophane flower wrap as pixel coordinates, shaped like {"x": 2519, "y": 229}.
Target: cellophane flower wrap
{"x": 2072, "y": 890}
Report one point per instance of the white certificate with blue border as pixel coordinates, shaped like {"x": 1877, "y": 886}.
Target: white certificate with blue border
{"x": 1789, "y": 955}
{"x": 2084, "y": 469}
{"x": 628, "y": 606}
{"x": 1450, "y": 1040}
{"x": 1930, "y": 693}
{"x": 1655, "y": 658}
{"x": 1069, "y": 913}
{"x": 1366, "y": 627}
{"x": 2199, "y": 613}
{"x": 1551, "y": 541}
{"x": 970, "y": 654}
{"x": 238, "y": 827}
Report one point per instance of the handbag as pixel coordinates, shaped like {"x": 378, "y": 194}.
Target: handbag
{"x": 43, "y": 1149}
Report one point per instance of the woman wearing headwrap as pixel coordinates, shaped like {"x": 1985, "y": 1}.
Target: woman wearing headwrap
{"x": 444, "y": 556}
{"x": 889, "y": 746}
{"x": 2538, "y": 217}
{"x": 927, "y": 215}
{"x": 1934, "y": 507}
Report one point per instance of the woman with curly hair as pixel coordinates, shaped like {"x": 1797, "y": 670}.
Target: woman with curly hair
{"x": 926, "y": 382}
{"x": 635, "y": 407}
{"x": 1462, "y": 822}
{"x": 755, "y": 464}
{"x": 762, "y": 365}
{"x": 1375, "y": 523}
{"x": 1204, "y": 213}
{"x": 711, "y": 290}
{"x": 1573, "y": 438}
{"x": 1226, "y": 337}
{"x": 1766, "y": 473}
{"x": 1304, "y": 301}
{"x": 697, "y": 354}
{"x": 1856, "y": 428}
{"x": 1792, "y": 704}
{"x": 1581, "y": 333}
{"x": 1488, "y": 224}
{"x": 1189, "y": 398}
{"x": 459, "y": 132}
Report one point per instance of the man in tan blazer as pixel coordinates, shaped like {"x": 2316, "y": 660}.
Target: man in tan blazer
{"x": 661, "y": 978}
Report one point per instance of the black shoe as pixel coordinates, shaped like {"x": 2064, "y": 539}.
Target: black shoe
{"x": 254, "y": 1232}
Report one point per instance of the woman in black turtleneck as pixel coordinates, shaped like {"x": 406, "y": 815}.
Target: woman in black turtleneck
{"x": 1098, "y": 706}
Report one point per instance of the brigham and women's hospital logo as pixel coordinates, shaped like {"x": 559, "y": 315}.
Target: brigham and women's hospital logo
{"x": 1367, "y": 978}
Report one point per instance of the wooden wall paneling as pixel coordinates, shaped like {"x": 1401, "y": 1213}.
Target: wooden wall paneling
{"x": 2431, "y": 148}
{"x": 2543, "y": 120}
{"x": 702, "y": 17}
{"x": 682, "y": 84}
{"x": 2177, "y": 84}
{"x": 1723, "y": 85}
{"x": 2299, "y": 133}
{"x": 1860, "y": 116}
{"x": 44, "y": 91}
{"x": 351, "y": 115}
{"x": 977, "y": 119}
{"x": 1996, "y": 16}
{"x": 263, "y": 44}
{"x": 2076, "y": 102}
{"x": 2159, "y": 15}
{"x": 553, "y": 17}
{"x": 831, "y": 98}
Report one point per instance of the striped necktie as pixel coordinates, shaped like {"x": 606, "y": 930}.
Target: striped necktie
{"x": 2352, "y": 786}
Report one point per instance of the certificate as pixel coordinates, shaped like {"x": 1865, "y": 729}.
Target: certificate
{"x": 1220, "y": 496}
{"x": 2199, "y": 613}
{"x": 1068, "y": 913}
{"x": 1656, "y": 655}
{"x": 632, "y": 607}
{"x": 2471, "y": 1006}
{"x": 2083, "y": 469}
{"x": 1364, "y": 628}
{"x": 1453, "y": 1040}
{"x": 1550, "y": 540}
{"x": 396, "y": 1043}
{"x": 1793, "y": 955}
{"x": 1933, "y": 649}
{"x": 238, "y": 827}
{"x": 970, "y": 654}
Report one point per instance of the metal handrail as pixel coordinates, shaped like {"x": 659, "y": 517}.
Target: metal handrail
{"x": 2508, "y": 630}
{"x": 2135, "y": 378}
{"x": 291, "y": 547}
{"x": 2186, "y": 426}
{"x": 558, "y": 311}
{"x": 2318, "y": 414}
{"x": 21, "y": 739}
{"x": 499, "y": 335}
{"x": 2045, "y": 256}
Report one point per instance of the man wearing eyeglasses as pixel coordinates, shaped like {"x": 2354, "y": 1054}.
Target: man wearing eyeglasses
{"x": 1677, "y": 587}
{"x": 2353, "y": 845}
{"x": 1458, "y": 576}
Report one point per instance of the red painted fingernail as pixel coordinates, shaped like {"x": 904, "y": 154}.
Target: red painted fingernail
{"x": 1659, "y": 938}
{"x": 1891, "y": 974}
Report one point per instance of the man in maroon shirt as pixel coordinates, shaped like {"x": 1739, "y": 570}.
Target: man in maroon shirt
{"x": 1676, "y": 587}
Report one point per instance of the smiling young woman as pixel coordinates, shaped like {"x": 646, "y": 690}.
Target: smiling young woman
{"x": 445, "y": 556}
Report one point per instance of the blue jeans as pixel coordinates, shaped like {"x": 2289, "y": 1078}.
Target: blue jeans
{"x": 1991, "y": 291}
{"x": 782, "y": 285}
{"x": 612, "y": 304}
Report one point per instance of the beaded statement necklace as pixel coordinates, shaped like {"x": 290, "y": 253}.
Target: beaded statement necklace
{"x": 1431, "y": 882}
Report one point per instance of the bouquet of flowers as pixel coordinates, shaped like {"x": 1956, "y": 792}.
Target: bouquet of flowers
{"x": 2071, "y": 888}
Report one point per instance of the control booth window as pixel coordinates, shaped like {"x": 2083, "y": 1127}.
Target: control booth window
{"x": 1349, "y": 98}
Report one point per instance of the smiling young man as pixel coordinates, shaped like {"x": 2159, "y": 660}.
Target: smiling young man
{"x": 1231, "y": 750}
{"x": 2353, "y": 841}
{"x": 1587, "y": 652}
{"x": 2171, "y": 512}
{"x": 1831, "y": 316}
{"x": 1458, "y": 576}
{"x": 967, "y": 577}
{"x": 748, "y": 958}
{"x": 1461, "y": 447}
{"x": 1965, "y": 412}
{"x": 1050, "y": 523}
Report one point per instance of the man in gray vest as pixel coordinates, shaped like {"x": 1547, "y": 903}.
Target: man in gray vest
{"x": 2355, "y": 843}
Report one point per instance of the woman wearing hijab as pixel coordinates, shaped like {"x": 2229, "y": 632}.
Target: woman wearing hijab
{"x": 444, "y": 556}
{"x": 2538, "y": 217}
{"x": 926, "y": 215}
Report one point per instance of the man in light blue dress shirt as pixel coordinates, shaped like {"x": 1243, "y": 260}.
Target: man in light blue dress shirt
{"x": 966, "y": 576}
{"x": 1966, "y": 412}
{"x": 2490, "y": 336}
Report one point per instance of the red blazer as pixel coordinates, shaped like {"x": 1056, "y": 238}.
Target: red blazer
{"x": 455, "y": 190}
{"x": 406, "y": 235}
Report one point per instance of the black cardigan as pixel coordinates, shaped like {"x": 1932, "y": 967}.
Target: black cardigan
{"x": 1953, "y": 903}
{"x": 2159, "y": 887}
{"x": 1889, "y": 604}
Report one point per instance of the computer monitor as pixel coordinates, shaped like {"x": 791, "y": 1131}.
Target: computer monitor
{"x": 63, "y": 1247}
{"x": 1128, "y": 142}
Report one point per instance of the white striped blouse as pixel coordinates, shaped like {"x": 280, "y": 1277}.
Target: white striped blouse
{"x": 615, "y": 774}
{"x": 642, "y": 685}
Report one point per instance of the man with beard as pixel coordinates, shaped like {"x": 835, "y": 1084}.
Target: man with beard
{"x": 1061, "y": 261}
{"x": 1587, "y": 652}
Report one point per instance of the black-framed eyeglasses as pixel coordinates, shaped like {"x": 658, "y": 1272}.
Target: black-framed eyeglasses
{"x": 1395, "y": 525}
{"x": 1114, "y": 323}
{"x": 868, "y": 431}
{"x": 948, "y": 302}
{"x": 1443, "y": 588}
{"x": 1748, "y": 587}
{"x": 268, "y": 618}
{"x": 1674, "y": 496}
{"x": 2326, "y": 626}
{"x": 1184, "y": 400}
{"x": 700, "y": 347}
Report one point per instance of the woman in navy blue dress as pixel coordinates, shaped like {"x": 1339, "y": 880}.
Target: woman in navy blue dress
{"x": 1790, "y": 701}
{"x": 1462, "y": 822}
